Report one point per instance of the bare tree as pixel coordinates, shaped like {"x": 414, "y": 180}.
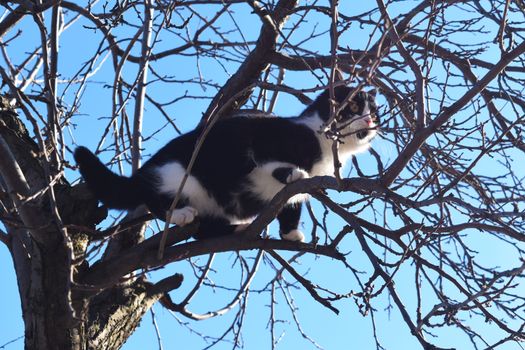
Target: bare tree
{"x": 426, "y": 208}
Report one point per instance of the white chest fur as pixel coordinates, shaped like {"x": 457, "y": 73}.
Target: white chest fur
{"x": 326, "y": 166}
{"x": 347, "y": 147}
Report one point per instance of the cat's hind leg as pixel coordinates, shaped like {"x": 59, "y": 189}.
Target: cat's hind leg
{"x": 183, "y": 216}
{"x": 289, "y": 221}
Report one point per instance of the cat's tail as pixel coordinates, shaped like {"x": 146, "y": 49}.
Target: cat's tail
{"x": 114, "y": 191}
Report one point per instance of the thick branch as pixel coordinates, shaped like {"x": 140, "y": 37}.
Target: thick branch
{"x": 257, "y": 62}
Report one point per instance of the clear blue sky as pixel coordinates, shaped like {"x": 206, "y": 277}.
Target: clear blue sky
{"x": 348, "y": 330}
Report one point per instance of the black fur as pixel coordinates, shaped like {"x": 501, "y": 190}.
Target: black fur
{"x": 322, "y": 102}
{"x": 281, "y": 174}
{"x": 118, "y": 192}
{"x": 234, "y": 147}
{"x": 231, "y": 151}
{"x": 289, "y": 218}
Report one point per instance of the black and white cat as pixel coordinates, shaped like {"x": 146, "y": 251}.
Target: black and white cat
{"x": 241, "y": 165}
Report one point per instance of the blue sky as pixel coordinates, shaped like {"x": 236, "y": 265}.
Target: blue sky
{"x": 349, "y": 329}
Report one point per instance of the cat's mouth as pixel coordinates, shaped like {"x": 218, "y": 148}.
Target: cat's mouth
{"x": 361, "y": 134}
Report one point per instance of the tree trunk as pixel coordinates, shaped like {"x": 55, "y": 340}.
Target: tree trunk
{"x": 47, "y": 257}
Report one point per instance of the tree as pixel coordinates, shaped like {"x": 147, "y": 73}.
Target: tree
{"x": 427, "y": 211}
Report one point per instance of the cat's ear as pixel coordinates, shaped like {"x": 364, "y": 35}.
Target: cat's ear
{"x": 373, "y": 93}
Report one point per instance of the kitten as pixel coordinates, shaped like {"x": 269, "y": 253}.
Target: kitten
{"x": 242, "y": 164}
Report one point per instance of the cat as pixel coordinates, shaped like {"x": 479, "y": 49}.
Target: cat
{"x": 241, "y": 165}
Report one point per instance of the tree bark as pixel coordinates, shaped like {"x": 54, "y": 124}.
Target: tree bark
{"x": 45, "y": 260}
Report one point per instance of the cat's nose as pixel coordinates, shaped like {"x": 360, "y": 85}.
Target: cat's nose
{"x": 369, "y": 121}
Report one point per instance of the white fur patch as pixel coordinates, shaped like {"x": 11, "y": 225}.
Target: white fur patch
{"x": 266, "y": 186}
{"x": 294, "y": 235}
{"x": 183, "y": 216}
{"x": 297, "y": 174}
{"x": 325, "y": 165}
{"x": 171, "y": 175}
{"x": 350, "y": 145}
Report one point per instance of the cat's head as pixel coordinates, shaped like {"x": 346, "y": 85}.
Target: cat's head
{"x": 356, "y": 121}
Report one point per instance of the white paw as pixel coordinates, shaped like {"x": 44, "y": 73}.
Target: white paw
{"x": 293, "y": 235}
{"x": 297, "y": 174}
{"x": 183, "y": 216}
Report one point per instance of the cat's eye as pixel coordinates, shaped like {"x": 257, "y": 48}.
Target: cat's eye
{"x": 353, "y": 107}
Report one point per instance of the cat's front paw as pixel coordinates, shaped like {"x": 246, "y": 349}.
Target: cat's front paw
{"x": 183, "y": 216}
{"x": 293, "y": 235}
{"x": 296, "y": 174}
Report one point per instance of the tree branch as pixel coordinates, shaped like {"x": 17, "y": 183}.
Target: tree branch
{"x": 404, "y": 157}
{"x": 257, "y": 62}
{"x": 310, "y": 288}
